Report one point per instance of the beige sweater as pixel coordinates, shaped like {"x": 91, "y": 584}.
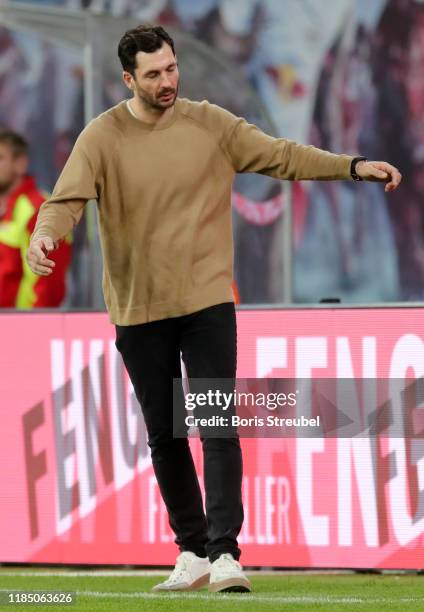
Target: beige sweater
{"x": 164, "y": 202}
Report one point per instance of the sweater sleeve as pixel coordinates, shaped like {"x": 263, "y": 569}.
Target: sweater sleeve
{"x": 251, "y": 150}
{"x": 79, "y": 181}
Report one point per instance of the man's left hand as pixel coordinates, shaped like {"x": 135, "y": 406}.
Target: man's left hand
{"x": 381, "y": 172}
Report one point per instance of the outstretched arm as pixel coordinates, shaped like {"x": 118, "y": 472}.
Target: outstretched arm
{"x": 252, "y": 150}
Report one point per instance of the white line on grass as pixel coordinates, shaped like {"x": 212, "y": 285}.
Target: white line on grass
{"x": 165, "y": 572}
{"x": 247, "y": 597}
{"x": 254, "y": 598}
{"x": 74, "y": 574}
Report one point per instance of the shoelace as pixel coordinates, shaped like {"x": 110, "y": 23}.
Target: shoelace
{"x": 227, "y": 561}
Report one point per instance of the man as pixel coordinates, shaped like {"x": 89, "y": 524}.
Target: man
{"x": 161, "y": 168}
{"x": 20, "y": 201}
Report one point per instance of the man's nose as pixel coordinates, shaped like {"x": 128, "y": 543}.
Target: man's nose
{"x": 165, "y": 81}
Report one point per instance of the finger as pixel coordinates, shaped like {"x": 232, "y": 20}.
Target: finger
{"x": 395, "y": 179}
{"x": 392, "y": 171}
{"x": 41, "y": 270}
{"x": 391, "y": 186}
{"x": 378, "y": 173}
{"x": 43, "y": 261}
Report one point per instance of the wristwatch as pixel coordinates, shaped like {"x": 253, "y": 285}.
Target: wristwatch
{"x": 353, "y": 174}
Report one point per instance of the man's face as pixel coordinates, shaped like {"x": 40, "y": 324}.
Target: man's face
{"x": 156, "y": 78}
{"x": 12, "y": 167}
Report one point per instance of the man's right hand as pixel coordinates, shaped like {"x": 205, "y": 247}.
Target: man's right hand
{"x": 37, "y": 255}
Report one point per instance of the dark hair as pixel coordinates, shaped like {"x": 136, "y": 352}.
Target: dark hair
{"x": 147, "y": 38}
{"x": 16, "y": 142}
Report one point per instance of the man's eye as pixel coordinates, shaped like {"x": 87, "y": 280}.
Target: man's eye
{"x": 171, "y": 69}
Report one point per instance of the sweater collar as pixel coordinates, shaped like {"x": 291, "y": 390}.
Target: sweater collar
{"x": 150, "y": 126}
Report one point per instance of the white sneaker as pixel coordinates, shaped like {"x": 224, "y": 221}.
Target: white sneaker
{"x": 227, "y": 575}
{"x": 190, "y": 573}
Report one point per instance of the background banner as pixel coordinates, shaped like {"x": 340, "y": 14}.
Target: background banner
{"x": 346, "y": 76}
{"x": 77, "y": 486}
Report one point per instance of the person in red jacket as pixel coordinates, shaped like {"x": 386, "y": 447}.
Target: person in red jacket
{"x": 20, "y": 200}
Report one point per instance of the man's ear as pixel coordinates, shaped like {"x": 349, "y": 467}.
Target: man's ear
{"x": 128, "y": 80}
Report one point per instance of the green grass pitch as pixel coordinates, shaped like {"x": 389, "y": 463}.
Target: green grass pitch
{"x": 123, "y": 591}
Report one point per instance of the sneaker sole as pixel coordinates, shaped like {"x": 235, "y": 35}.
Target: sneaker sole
{"x": 197, "y": 584}
{"x": 231, "y": 585}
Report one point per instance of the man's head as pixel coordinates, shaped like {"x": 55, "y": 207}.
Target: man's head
{"x": 13, "y": 159}
{"x": 150, "y": 67}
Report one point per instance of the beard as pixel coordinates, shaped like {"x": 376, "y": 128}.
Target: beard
{"x": 151, "y": 102}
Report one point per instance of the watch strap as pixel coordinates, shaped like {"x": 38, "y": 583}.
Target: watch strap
{"x": 355, "y": 160}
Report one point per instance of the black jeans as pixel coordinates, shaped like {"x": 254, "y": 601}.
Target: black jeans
{"x": 207, "y": 340}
